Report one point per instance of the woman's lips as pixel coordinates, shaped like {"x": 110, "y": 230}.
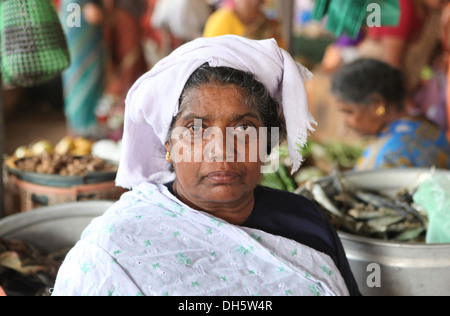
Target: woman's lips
{"x": 223, "y": 177}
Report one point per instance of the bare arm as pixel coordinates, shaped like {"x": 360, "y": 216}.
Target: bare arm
{"x": 393, "y": 51}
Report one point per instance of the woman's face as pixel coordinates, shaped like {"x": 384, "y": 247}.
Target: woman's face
{"x": 361, "y": 118}
{"x": 249, "y": 9}
{"x": 210, "y": 178}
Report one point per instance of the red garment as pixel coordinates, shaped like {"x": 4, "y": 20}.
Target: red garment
{"x": 409, "y": 25}
{"x": 448, "y": 100}
{"x": 148, "y": 30}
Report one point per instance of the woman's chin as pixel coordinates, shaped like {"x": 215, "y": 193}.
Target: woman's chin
{"x": 224, "y": 193}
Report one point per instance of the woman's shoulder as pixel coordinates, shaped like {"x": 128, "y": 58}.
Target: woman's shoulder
{"x": 283, "y": 198}
{"x": 411, "y": 142}
{"x": 281, "y": 210}
{"x": 419, "y": 129}
{"x": 123, "y": 218}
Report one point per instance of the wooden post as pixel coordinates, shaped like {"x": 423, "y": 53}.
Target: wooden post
{"x": 286, "y": 9}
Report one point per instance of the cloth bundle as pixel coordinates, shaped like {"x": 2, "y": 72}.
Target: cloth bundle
{"x": 84, "y": 80}
{"x": 153, "y": 101}
{"x": 348, "y": 16}
{"x": 32, "y": 43}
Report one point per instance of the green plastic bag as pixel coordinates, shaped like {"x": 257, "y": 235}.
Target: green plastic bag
{"x": 434, "y": 196}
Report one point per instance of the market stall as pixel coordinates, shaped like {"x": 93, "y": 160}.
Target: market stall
{"x": 396, "y": 240}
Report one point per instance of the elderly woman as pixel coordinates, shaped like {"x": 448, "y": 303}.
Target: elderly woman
{"x": 371, "y": 94}
{"x": 210, "y": 230}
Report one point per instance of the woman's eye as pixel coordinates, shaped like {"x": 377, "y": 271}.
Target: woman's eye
{"x": 195, "y": 129}
{"x": 243, "y": 128}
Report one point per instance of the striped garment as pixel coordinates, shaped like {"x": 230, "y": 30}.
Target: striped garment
{"x": 84, "y": 81}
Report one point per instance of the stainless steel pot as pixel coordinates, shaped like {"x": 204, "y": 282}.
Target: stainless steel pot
{"x": 391, "y": 268}
{"x": 54, "y": 227}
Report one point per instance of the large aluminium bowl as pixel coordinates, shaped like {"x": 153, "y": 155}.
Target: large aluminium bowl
{"x": 392, "y": 268}
{"x": 54, "y": 227}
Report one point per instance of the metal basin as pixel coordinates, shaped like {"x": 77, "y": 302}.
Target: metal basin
{"x": 391, "y": 268}
{"x": 53, "y": 227}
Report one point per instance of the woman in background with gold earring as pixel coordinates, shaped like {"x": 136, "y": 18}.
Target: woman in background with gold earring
{"x": 371, "y": 94}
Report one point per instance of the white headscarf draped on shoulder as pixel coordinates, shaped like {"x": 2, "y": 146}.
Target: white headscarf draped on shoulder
{"x": 153, "y": 101}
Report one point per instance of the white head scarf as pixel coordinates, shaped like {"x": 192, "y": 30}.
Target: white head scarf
{"x": 153, "y": 101}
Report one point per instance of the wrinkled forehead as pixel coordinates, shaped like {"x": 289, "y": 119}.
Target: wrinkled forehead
{"x": 215, "y": 101}
{"x": 213, "y": 94}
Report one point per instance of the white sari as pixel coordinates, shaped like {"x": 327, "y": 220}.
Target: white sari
{"x": 150, "y": 243}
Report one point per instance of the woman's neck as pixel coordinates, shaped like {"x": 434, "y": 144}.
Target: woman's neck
{"x": 395, "y": 115}
{"x": 392, "y": 116}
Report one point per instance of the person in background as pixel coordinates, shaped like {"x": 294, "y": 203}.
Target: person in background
{"x": 125, "y": 62}
{"x": 179, "y": 21}
{"x": 414, "y": 47}
{"x": 152, "y": 38}
{"x": 84, "y": 80}
{"x": 244, "y": 18}
{"x": 124, "y": 38}
{"x": 371, "y": 94}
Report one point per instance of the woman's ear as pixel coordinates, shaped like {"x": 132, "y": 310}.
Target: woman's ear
{"x": 378, "y": 105}
{"x": 168, "y": 155}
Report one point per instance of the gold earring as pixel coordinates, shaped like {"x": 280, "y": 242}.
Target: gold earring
{"x": 168, "y": 156}
{"x": 381, "y": 111}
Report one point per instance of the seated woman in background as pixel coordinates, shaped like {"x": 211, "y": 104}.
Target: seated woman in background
{"x": 371, "y": 94}
{"x": 212, "y": 230}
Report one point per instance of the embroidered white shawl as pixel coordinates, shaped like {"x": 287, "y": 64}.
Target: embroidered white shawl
{"x": 150, "y": 243}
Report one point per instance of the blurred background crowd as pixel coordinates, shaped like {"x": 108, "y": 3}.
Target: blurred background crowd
{"x": 119, "y": 40}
